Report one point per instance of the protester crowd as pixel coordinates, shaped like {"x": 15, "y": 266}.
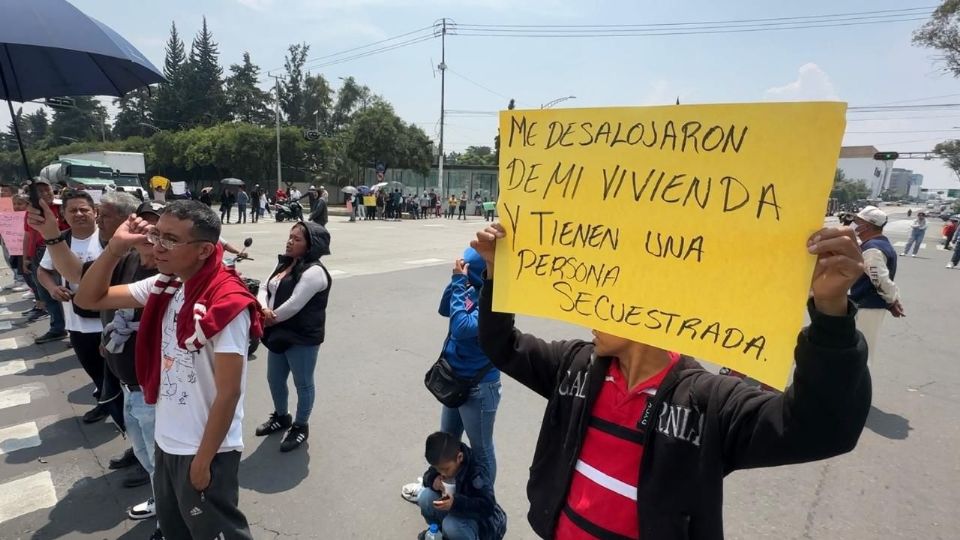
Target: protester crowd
{"x": 383, "y": 204}
{"x": 163, "y": 329}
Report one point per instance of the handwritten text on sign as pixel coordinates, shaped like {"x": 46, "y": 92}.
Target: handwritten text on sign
{"x": 683, "y": 227}
{"x": 11, "y": 230}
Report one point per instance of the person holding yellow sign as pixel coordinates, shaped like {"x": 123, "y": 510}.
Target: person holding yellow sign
{"x": 636, "y": 440}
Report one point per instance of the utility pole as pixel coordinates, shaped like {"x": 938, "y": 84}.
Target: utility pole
{"x": 443, "y": 80}
{"x": 277, "y": 111}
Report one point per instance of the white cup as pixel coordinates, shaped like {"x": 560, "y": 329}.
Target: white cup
{"x": 450, "y": 488}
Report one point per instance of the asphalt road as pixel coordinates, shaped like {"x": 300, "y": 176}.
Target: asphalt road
{"x": 372, "y": 414}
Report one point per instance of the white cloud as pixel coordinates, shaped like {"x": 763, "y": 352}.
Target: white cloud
{"x": 812, "y": 84}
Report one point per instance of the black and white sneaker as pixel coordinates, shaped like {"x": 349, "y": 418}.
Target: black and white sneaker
{"x": 274, "y": 424}
{"x": 294, "y": 437}
{"x": 144, "y": 510}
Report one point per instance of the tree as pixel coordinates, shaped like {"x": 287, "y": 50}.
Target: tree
{"x": 942, "y": 32}
{"x": 38, "y": 126}
{"x": 846, "y": 190}
{"x": 246, "y": 102}
{"x": 168, "y": 107}
{"x": 350, "y": 97}
{"x": 134, "y": 118}
{"x": 204, "y": 101}
{"x": 378, "y": 135}
{"x": 317, "y": 102}
{"x": 84, "y": 121}
{"x": 473, "y": 155}
{"x": 950, "y": 152}
{"x": 292, "y": 87}
{"x": 10, "y": 137}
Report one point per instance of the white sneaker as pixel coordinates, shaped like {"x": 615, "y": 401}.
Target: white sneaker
{"x": 411, "y": 492}
{"x": 19, "y": 287}
{"x": 913, "y": 255}
{"x": 950, "y": 265}
{"x": 144, "y": 510}
{"x": 28, "y": 295}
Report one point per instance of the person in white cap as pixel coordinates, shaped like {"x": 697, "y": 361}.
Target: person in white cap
{"x": 875, "y": 293}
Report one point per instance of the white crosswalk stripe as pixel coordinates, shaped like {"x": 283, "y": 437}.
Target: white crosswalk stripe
{"x": 12, "y": 367}
{"x": 18, "y": 437}
{"x": 25, "y": 495}
{"x": 22, "y": 395}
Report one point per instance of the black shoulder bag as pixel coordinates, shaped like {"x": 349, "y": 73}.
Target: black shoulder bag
{"x": 445, "y": 385}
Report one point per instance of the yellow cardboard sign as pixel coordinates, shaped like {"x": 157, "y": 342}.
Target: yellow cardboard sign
{"x": 684, "y": 227}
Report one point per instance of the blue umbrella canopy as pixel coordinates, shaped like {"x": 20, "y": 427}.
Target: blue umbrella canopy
{"x": 48, "y": 48}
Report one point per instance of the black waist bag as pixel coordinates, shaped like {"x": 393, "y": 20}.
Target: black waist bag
{"x": 445, "y": 385}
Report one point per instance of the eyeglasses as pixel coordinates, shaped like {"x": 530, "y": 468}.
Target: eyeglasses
{"x": 168, "y": 245}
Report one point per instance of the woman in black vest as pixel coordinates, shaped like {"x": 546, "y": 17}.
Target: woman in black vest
{"x": 294, "y": 318}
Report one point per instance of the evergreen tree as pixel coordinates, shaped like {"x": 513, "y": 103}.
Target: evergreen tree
{"x": 134, "y": 114}
{"x": 168, "y": 107}
{"x": 38, "y": 125}
{"x": 292, "y": 88}
{"x": 350, "y": 97}
{"x": 83, "y": 121}
{"x": 204, "y": 101}
{"x": 10, "y": 137}
{"x": 246, "y": 102}
{"x": 317, "y": 102}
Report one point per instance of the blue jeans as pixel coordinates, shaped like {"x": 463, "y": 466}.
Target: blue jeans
{"x": 58, "y": 324}
{"x": 477, "y": 416}
{"x": 140, "y": 419}
{"x": 454, "y": 528}
{"x": 301, "y": 360}
{"x": 916, "y": 238}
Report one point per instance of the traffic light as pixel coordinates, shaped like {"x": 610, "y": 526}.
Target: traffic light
{"x": 886, "y": 156}
{"x": 59, "y": 102}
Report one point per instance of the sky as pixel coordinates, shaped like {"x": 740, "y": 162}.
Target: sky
{"x": 861, "y": 65}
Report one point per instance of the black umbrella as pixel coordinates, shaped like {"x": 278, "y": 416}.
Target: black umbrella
{"x": 48, "y": 48}
{"x": 232, "y": 182}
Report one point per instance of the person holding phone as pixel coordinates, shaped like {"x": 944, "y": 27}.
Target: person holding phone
{"x": 33, "y": 250}
{"x": 458, "y": 492}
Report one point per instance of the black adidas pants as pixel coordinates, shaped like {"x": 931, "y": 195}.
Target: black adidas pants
{"x": 186, "y": 513}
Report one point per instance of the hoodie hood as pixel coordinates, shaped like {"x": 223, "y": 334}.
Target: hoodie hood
{"x": 476, "y": 268}
{"x": 318, "y": 243}
{"x": 474, "y": 276}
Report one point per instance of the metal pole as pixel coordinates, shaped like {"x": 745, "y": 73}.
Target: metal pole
{"x": 277, "y": 110}
{"x": 443, "y": 81}
{"x": 16, "y": 128}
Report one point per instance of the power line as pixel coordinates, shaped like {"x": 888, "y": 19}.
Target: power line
{"x": 891, "y": 118}
{"x": 683, "y": 32}
{"x": 903, "y": 131}
{"x": 914, "y": 100}
{"x": 352, "y": 49}
{"x": 373, "y": 52}
{"x": 475, "y": 83}
{"x": 876, "y": 13}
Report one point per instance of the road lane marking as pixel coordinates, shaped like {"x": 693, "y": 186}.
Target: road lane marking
{"x": 21, "y": 395}
{"x": 423, "y": 261}
{"x": 18, "y": 437}
{"x": 26, "y": 495}
{"x": 12, "y": 367}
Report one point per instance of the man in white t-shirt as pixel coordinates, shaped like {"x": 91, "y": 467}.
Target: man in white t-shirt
{"x": 83, "y": 326}
{"x": 199, "y": 394}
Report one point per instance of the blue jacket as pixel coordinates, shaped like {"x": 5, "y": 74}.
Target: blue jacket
{"x": 459, "y": 303}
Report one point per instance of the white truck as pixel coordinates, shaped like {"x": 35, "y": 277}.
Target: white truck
{"x": 129, "y": 168}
